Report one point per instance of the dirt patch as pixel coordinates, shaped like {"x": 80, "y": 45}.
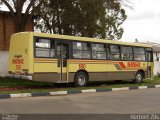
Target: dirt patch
{"x": 23, "y": 88}
{"x": 13, "y": 88}
{"x": 57, "y": 87}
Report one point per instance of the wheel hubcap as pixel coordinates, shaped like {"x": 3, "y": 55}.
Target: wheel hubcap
{"x": 81, "y": 80}
{"x": 139, "y": 77}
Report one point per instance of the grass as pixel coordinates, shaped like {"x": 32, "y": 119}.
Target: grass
{"x": 26, "y": 86}
{"x": 12, "y": 82}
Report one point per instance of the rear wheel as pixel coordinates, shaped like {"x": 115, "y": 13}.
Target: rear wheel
{"x": 138, "y": 78}
{"x": 81, "y": 79}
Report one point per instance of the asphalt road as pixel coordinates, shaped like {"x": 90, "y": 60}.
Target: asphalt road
{"x": 121, "y": 102}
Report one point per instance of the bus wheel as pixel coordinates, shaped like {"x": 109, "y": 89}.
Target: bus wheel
{"x": 139, "y": 77}
{"x": 81, "y": 79}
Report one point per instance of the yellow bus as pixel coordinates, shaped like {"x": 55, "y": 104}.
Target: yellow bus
{"x": 63, "y": 59}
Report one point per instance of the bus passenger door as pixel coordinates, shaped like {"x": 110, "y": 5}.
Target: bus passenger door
{"x": 149, "y": 58}
{"x": 63, "y": 55}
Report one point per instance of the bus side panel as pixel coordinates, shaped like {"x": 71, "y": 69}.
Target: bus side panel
{"x": 116, "y": 70}
{"x": 96, "y": 69}
{"x": 125, "y": 70}
{"x": 45, "y": 70}
{"x": 107, "y": 70}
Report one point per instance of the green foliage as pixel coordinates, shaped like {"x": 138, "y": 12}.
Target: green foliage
{"x": 89, "y": 18}
{"x": 12, "y": 82}
{"x": 157, "y": 77}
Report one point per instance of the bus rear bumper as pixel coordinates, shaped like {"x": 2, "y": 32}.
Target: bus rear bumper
{"x": 26, "y": 77}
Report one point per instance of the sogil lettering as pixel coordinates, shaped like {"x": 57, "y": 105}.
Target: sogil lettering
{"x": 134, "y": 64}
{"x": 18, "y": 61}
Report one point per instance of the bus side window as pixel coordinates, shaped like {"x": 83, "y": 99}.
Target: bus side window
{"x": 81, "y": 50}
{"x": 149, "y": 55}
{"x": 126, "y": 53}
{"x": 98, "y": 51}
{"x": 114, "y": 52}
{"x": 58, "y": 52}
{"x": 86, "y": 50}
{"x": 52, "y": 49}
{"x": 44, "y": 48}
{"x": 139, "y": 54}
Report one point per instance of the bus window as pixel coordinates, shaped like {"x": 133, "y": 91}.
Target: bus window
{"x": 81, "y": 50}
{"x": 114, "y": 52}
{"x": 149, "y": 55}
{"x": 139, "y": 54}
{"x": 62, "y": 51}
{"x": 44, "y": 48}
{"x": 126, "y": 53}
{"x": 98, "y": 51}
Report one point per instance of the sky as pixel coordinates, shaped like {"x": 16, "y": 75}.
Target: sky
{"x": 143, "y": 22}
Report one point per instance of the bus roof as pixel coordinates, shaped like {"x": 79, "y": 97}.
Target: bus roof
{"x": 86, "y": 39}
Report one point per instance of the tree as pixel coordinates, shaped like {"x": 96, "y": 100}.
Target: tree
{"x": 89, "y": 18}
{"x": 21, "y": 11}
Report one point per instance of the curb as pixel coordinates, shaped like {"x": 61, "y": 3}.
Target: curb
{"x": 58, "y": 93}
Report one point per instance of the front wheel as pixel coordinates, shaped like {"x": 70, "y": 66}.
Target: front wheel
{"x": 81, "y": 79}
{"x": 138, "y": 78}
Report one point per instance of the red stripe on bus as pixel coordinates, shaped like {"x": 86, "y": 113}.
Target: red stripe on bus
{"x": 122, "y": 65}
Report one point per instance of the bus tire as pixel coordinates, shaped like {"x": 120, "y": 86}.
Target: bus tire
{"x": 81, "y": 79}
{"x": 139, "y": 77}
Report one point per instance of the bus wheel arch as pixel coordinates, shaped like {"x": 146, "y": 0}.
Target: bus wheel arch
{"x": 139, "y": 76}
{"x": 81, "y": 78}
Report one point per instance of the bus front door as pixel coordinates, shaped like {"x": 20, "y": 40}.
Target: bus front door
{"x": 63, "y": 55}
{"x": 149, "y": 57}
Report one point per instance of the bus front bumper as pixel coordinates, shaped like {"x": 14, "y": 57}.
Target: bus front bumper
{"x": 20, "y": 76}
